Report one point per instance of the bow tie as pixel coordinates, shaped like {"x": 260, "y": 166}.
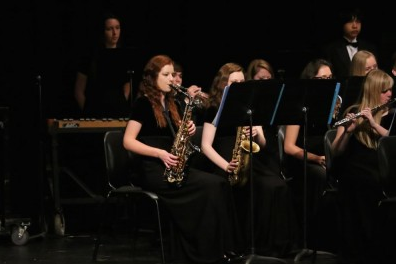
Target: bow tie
{"x": 353, "y": 44}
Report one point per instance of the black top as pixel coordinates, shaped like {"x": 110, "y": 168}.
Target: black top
{"x": 106, "y": 72}
{"x": 359, "y": 161}
{"x": 142, "y": 112}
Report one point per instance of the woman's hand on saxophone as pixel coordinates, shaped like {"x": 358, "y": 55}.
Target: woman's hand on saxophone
{"x": 168, "y": 159}
{"x": 247, "y": 131}
{"x": 257, "y": 134}
{"x": 191, "y": 128}
{"x": 231, "y": 166}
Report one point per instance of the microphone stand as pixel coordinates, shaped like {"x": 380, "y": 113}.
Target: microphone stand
{"x": 42, "y": 165}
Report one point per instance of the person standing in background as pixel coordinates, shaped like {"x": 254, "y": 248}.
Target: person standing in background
{"x": 102, "y": 88}
{"x": 393, "y": 69}
{"x": 393, "y": 64}
{"x": 341, "y": 51}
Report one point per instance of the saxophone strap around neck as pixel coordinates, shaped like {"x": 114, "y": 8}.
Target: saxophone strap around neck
{"x": 165, "y": 112}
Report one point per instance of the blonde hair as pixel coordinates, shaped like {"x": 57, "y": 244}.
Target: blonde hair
{"x": 375, "y": 82}
{"x": 358, "y": 64}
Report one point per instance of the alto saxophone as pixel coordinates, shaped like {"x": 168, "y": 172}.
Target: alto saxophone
{"x": 241, "y": 152}
{"x": 182, "y": 147}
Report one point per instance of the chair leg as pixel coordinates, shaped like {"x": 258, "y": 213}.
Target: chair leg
{"x": 98, "y": 238}
{"x": 160, "y": 232}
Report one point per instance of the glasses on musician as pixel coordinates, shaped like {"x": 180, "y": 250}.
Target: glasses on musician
{"x": 323, "y": 77}
{"x": 264, "y": 77}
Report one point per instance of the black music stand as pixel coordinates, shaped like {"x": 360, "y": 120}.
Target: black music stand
{"x": 42, "y": 160}
{"x": 246, "y": 104}
{"x": 307, "y": 103}
{"x": 350, "y": 91}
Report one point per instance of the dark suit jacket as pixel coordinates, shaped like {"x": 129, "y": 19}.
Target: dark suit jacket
{"x": 337, "y": 53}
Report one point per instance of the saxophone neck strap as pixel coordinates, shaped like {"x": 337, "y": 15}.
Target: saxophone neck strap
{"x": 165, "y": 112}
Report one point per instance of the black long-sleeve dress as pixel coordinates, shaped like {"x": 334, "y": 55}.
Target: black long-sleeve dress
{"x": 274, "y": 221}
{"x": 202, "y": 210}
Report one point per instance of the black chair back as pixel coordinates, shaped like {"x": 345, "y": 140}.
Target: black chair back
{"x": 118, "y": 159}
{"x": 282, "y": 154}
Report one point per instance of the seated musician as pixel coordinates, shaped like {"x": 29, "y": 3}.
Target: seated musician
{"x": 356, "y": 166}
{"x": 273, "y": 214}
{"x": 199, "y": 203}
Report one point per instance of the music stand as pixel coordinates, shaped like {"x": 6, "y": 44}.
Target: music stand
{"x": 306, "y": 102}
{"x": 246, "y": 104}
{"x": 350, "y": 91}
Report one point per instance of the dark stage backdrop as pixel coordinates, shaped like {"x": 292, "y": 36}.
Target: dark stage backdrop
{"x": 45, "y": 38}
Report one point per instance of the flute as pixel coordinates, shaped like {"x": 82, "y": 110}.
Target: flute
{"x": 373, "y": 110}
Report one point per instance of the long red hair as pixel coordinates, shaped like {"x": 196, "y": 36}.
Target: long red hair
{"x": 149, "y": 87}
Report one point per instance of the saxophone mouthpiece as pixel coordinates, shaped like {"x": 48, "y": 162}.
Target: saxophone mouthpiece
{"x": 177, "y": 87}
{"x": 173, "y": 86}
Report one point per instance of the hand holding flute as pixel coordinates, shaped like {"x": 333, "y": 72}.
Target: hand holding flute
{"x": 367, "y": 113}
